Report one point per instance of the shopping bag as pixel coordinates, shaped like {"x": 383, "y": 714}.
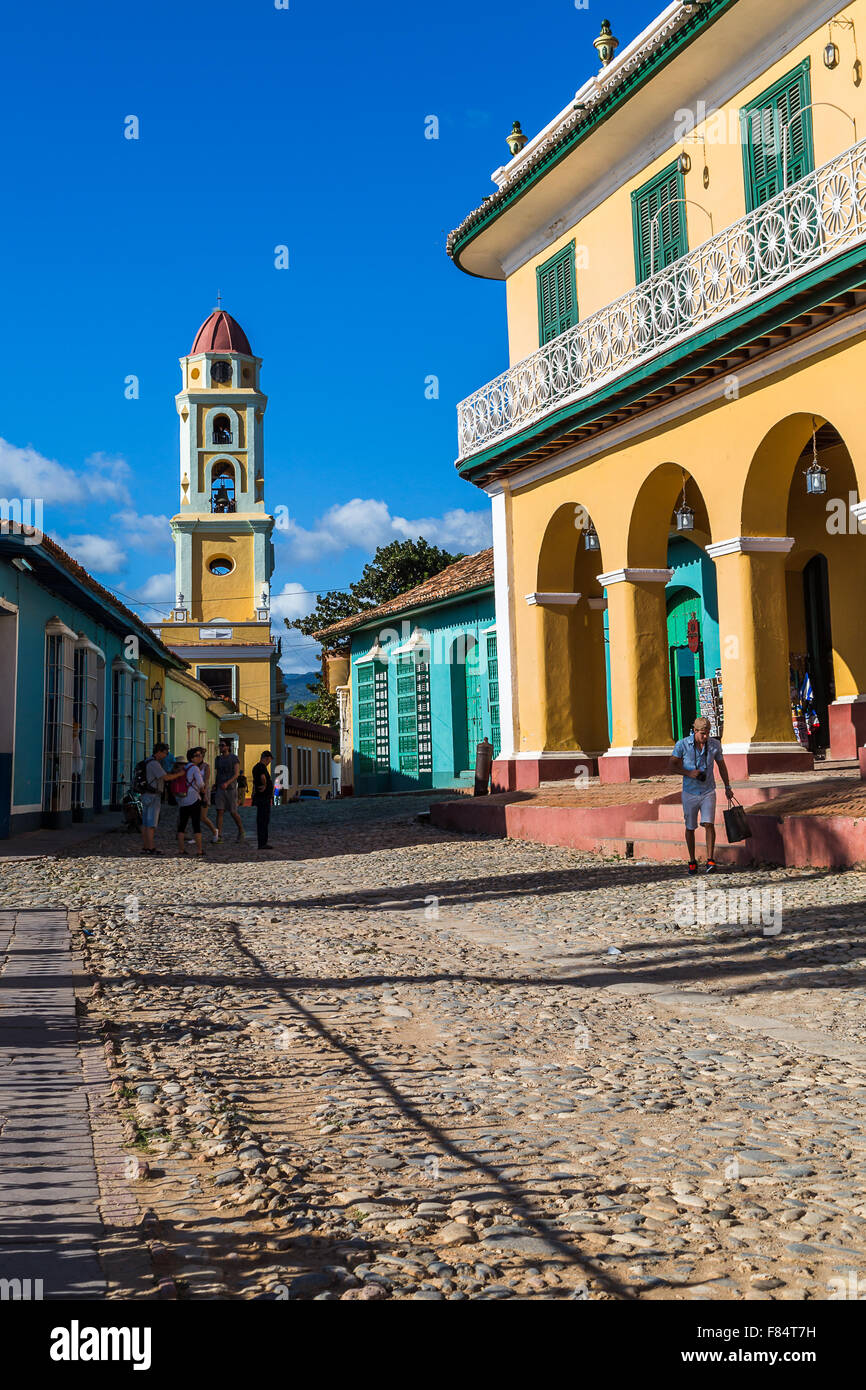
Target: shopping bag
{"x": 736, "y": 824}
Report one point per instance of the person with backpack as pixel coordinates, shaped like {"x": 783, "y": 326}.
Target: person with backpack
{"x": 263, "y": 791}
{"x": 190, "y": 801}
{"x": 148, "y": 779}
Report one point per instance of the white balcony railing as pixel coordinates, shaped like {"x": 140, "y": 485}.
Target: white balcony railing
{"x": 810, "y": 222}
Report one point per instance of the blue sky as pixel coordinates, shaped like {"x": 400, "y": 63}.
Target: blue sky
{"x": 260, "y": 127}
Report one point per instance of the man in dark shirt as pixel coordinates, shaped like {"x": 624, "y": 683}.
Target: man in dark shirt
{"x": 263, "y": 792}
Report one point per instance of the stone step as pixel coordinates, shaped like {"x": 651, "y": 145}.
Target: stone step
{"x": 667, "y": 851}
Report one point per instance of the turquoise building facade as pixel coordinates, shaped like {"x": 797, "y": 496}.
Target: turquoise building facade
{"x": 80, "y": 676}
{"x": 423, "y": 672}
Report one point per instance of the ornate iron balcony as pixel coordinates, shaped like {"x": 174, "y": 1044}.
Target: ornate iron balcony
{"x": 809, "y": 222}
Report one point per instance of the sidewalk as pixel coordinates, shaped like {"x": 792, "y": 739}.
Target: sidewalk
{"x": 36, "y": 844}
{"x": 55, "y": 1235}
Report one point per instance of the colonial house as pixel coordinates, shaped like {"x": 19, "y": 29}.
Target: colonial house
{"x": 420, "y": 682}
{"x": 676, "y": 451}
{"x": 85, "y": 689}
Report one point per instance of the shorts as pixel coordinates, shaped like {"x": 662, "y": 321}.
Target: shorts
{"x": 151, "y": 803}
{"x": 226, "y": 798}
{"x": 189, "y": 813}
{"x": 706, "y": 804}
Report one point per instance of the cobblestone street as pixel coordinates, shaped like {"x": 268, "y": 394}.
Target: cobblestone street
{"x": 386, "y": 1061}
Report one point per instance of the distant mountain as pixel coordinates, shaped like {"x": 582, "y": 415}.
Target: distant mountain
{"x": 296, "y": 687}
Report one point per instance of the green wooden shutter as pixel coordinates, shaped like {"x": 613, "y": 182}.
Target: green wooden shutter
{"x": 762, "y": 122}
{"x": 557, "y": 295}
{"x": 374, "y": 752}
{"x": 661, "y": 198}
{"x": 493, "y": 693}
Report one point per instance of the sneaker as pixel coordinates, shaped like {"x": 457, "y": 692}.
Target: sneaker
{"x": 215, "y": 839}
{"x": 711, "y": 866}
{"x": 693, "y": 866}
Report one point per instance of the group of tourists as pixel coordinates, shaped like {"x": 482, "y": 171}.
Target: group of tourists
{"x": 194, "y": 789}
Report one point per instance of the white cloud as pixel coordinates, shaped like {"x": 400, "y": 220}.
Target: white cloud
{"x": 367, "y": 523}
{"x": 145, "y": 531}
{"x": 158, "y": 589}
{"x": 26, "y": 473}
{"x": 293, "y": 601}
{"x": 99, "y": 553}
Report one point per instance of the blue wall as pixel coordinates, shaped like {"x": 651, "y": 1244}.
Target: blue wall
{"x": 36, "y": 606}
{"x": 444, "y": 625}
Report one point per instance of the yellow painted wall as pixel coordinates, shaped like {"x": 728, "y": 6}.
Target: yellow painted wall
{"x": 227, "y": 595}
{"x": 742, "y": 460}
{"x": 605, "y": 244}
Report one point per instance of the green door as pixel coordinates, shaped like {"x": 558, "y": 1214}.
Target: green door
{"x": 493, "y": 693}
{"x": 473, "y": 700}
{"x": 686, "y": 666}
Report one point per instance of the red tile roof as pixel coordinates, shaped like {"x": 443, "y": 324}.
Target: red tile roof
{"x": 464, "y": 576}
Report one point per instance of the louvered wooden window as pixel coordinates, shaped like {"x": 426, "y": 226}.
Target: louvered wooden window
{"x": 764, "y": 122}
{"x": 557, "y": 295}
{"x": 659, "y": 221}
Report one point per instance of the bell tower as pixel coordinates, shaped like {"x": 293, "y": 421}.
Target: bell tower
{"x": 224, "y": 555}
{"x": 222, "y": 533}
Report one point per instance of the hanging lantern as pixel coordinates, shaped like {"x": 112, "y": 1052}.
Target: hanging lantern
{"x": 816, "y": 476}
{"x": 684, "y": 513}
{"x": 831, "y": 55}
{"x": 590, "y": 538}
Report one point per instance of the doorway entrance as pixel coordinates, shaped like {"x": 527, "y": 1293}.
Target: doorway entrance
{"x": 686, "y": 652}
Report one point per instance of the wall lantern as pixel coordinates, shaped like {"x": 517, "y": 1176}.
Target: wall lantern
{"x": 156, "y": 695}
{"x": 590, "y": 538}
{"x": 831, "y": 55}
{"x": 684, "y": 513}
{"x": 816, "y": 476}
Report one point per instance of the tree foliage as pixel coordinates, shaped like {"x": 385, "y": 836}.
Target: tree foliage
{"x": 394, "y": 569}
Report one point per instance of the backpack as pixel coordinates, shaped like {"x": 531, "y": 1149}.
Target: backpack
{"x": 140, "y": 783}
{"x": 179, "y": 786}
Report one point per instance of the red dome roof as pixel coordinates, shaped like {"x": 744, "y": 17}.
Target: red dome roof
{"x": 221, "y": 333}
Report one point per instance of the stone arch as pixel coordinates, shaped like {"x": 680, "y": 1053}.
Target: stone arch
{"x": 571, "y": 635}
{"x": 825, "y": 639}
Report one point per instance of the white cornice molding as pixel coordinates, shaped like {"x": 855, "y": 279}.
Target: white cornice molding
{"x": 635, "y": 576}
{"x": 751, "y": 545}
{"x": 552, "y": 600}
{"x": 858, "y": 511}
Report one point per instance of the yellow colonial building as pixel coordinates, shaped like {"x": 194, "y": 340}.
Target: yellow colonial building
{"x": 677, "y": 451}
{"x": 221, "y": 622}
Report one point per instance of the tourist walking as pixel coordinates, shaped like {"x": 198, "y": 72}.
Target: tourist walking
{"x": 205, "y": 800}
{"x": 189, "y": 803}
{"x": 155, "y": 773}
{"x": 227, "y": 773}
{"x": 695, "y": 757}
{"x": 263, "y": 791}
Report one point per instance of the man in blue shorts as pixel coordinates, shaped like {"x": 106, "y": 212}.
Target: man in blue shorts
{"x": 695, "y": 757}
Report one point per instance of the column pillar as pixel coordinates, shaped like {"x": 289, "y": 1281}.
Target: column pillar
{"x": 642, "y": 742}
{"x": 753, "y": 628}
{"x": 847, "y": 713}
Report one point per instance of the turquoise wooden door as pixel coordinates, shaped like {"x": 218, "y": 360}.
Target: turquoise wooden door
{"x": 473, "y": 700}
{"x": 686, "y": 667}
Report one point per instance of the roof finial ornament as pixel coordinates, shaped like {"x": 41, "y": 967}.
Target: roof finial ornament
{"x": 606, "y": 44}
{"x": 219, "y": 302}
{"x": 516, "y": 140}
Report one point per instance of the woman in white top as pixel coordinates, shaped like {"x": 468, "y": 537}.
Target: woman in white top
{"x": 189, "y": 805}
